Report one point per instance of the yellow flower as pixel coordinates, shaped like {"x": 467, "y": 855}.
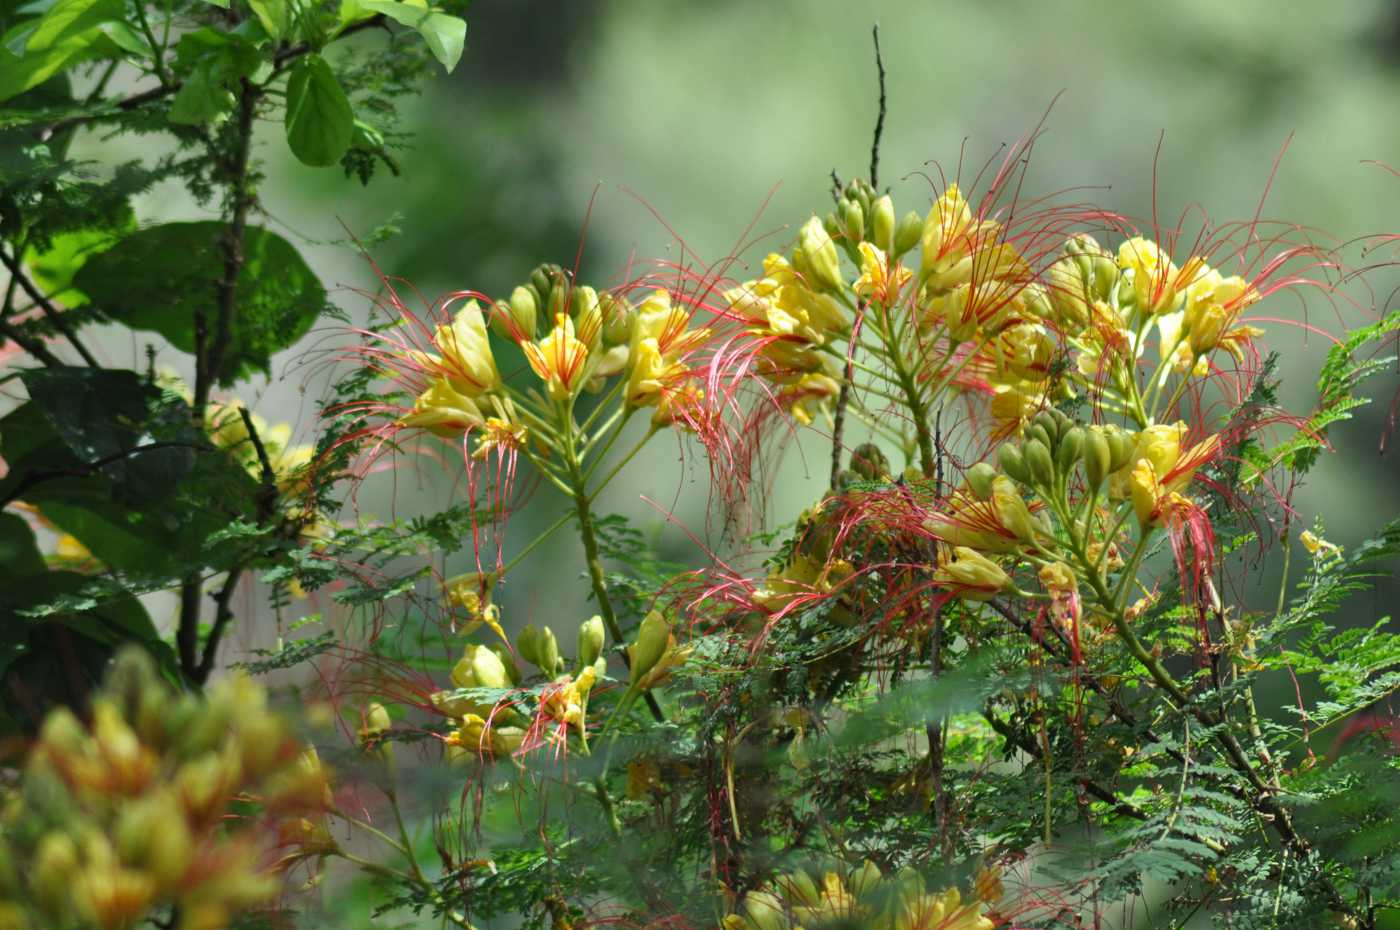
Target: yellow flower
{"x": 945, "y": 236}
{"x": 650, "y": 375}
{"x": 444, "y": 411}
{"x": 476, "y": 735}
{"x": 471, "y": 593}
{"x": 1155, "y": 278}
{"x": 1058, "y": 578}
{"x": 972, "y": 575}
{"x": 1317, "y": 546}
{"x": 809, "y": 395}
{"x": 878, "y": 278}
{"x": 566, "y": 701}
{"x": 822, "y": 261}
{"x": 558, "y": 358}
{"x": 466, "y": 352}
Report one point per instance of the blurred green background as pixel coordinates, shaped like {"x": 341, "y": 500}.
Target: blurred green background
{"x": 694, "y": 112}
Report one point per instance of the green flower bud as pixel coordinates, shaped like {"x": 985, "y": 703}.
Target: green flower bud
{"x": 1038, "y": 432}
{"x": 653, "y": 638}
{"x": 539, "y": 648}
{"x": 823, "y": 262}
{"x": 882, "y": 224}
{"x": 1046, "y": 421}
{"x": 508, "y": 663}
{"x": 1097, "y": 458}
{"x": 1121, "y": 445}
{"x": 543, "y": 280}
{"x": 515, "y": 319}
{"x": 908, "y": 233}
{"x": 980, "y": 478}
{"x": 1038, "y": 460}
{"x": 619, "y": 319}
{"x": 869, "y": 462}
{"x": 1067, "y": 452}
{"x": 53, "y": 874}
{"x": 1013, "y": 463}
{"x": 853, "y": 220}
{"x": 152, "y": 833}
{"x": 591, "y": 639}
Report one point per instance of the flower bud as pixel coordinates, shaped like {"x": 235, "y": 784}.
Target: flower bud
{"x": 972, "y": 575}
{"x": 882, "y": 224}
{"x": 1121, "y": 444}
{"x": 1097, "y": 458}
{"x": 619, "y": 319}
{"x": 979, "y": 478}
{"x": 591, "y": 639}
{"x": 508, "y": 663}
{"x": 539, "y": 648}
{"x": 515, "y": 318}
{"x": 152, "y": 833}
{"x": 869, "y": 462}
{"x": 376, "y": 722}
{"x": 1069, "y": 449}
{"x": 853, "y": 220}
{"x": 1013, "y": 462}
{"x": 53, "y": 872}
{"x": 479, "y": 667}
{"x": 823, "y": 262}
{"x": 1038, "y": 461}
{"x": 653, "y": 638}
{"x": 907, "y": 233}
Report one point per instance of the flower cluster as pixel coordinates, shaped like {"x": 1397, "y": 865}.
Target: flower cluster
{"x": 862, "y": 897}
{"x": 162, "y": 800}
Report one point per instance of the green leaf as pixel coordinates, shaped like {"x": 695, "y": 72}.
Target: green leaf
{"x": 67, "y": 19}
{"x": 20, "y": 72}
{"x": 161, "y": 278}
{"x": 446, "y": 35}
{"x": 202, "y": 98}
{"x": 18, "y": 551}
{"x": 54, "y": 268}
{"x": 212, "y": 63}
{"x": 275, "y": 16}
{"x": 320, "y": 122}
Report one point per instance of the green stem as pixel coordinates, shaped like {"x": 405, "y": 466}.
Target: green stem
{"x": 579, "y": 492}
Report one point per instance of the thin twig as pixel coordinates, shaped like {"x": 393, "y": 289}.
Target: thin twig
{"x": 50, "y": 311}
{"x": 880, "y": 119}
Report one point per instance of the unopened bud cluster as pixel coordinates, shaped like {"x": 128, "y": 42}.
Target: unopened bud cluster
{"x": 135, "y": 810}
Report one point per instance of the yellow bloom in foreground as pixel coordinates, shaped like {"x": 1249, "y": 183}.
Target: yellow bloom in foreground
{"x": 878, "y": 279}
{"x": 466, "y": 351}
{"x": 823, "y": 262}
{"x": 444, "y": 411}
{"x": 972, "y": 575}
{"x": 558, "y": 358}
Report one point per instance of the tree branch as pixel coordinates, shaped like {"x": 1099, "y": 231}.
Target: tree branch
{"x": 50, "y": 311}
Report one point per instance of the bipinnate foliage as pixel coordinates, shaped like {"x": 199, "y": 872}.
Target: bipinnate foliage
{"x": 151, "y": 484}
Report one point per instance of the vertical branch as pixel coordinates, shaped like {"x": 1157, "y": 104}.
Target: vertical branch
{"x": 843, "y": 398}
{"x": 880, "y": 117}
{"x": 211, "y": 348}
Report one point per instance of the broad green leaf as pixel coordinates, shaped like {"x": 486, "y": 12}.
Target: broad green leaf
{"x": 319, "y": 120}
{"x": 275, "y": 16}
{"x": 19, "y": 73}
{"x": 54, "y": 268}
{"x": 212, "y": 63}
{"x": 18, "y": 551}
{"x": 68, "y": 19}
{"x": 160, "y": 278}
{"x": 202, "y": 98}
{"x": 128, "y": 39}
{"x": 445, "y": 35}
